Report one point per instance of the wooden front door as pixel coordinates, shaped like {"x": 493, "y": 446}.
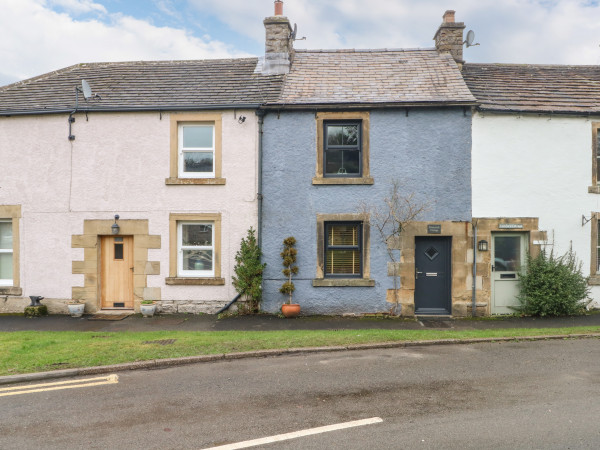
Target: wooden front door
{"x": 116, "y": 254}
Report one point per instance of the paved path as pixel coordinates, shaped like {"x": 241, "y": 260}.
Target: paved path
{"x": 186, "y": 322}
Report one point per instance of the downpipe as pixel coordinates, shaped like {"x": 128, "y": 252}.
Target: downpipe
{"x": 474, "y": 293}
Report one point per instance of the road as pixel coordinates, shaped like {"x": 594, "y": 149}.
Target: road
{"x": 542, "y": 394}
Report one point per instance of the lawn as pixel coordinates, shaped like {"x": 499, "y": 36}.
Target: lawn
{"x": 36, "y": 351}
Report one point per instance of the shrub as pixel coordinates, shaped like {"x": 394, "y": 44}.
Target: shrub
{"x": 248, "y": 272}
{"x": 288, "y": 255}
{"x": 553, "y": 286}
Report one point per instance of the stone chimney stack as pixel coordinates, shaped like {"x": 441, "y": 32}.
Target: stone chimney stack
{"x": 449, "y": 37}
{"x": 278, "y": 42}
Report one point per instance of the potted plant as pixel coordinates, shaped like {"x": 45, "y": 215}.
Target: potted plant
{"x": 288, "y": 255}
{"x": 76, "y": 308}
{"x": 147, "y": 308}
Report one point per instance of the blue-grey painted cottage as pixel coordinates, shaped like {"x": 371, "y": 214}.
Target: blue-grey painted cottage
{"x": 347, "y": 125}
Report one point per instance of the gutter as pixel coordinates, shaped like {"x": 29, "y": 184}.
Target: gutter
{"x": 361, "y": 106}
{"x": 546, "y": 112}
{"x": 129, "y": 109}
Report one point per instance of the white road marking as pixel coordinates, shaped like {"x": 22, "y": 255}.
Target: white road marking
{"x": 71, "y": 384}
{"x": 297, "y": 434}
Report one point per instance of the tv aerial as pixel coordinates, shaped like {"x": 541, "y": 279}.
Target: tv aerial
{"x": 470, "y": 39}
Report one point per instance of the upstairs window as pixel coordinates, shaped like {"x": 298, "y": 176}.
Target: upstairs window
{"x": 342, "y": 155}
{"x": 196, "y": 150}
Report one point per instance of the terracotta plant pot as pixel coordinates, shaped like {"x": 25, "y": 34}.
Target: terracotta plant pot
{"x": 290, "y": 310}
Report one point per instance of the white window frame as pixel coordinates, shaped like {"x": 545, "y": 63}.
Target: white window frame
{"x": 6, "y": 281}
{"x": 180, "y": 248}
{"x": 182, "y": 150}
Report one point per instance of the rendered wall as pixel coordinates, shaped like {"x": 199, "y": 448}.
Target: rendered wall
{"x": 117, "y": 164}
{"x": 537, "y": 166}
{"x": 428, "y": 151}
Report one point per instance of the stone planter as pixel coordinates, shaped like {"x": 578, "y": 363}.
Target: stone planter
{"x": 76, "y": 309}
{"x": 148, "y": 310}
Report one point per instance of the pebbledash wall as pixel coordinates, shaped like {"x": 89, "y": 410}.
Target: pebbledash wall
{"x": 69, "y": 191}
{"x": 529, "y": 168}
{"x": 426, "y": 149}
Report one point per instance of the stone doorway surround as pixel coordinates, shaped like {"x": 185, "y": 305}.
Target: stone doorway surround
{"x": 485, "y": 227}
{"x": 461, "y": 266}
{"x": 90, "y": 266}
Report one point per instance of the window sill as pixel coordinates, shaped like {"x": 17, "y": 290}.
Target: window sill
{"x": 343, "y": 282}
{"x": 218, "y": 181}
{"x": 358, "y": 180}
{"x": 185, "y": 281}
{"x": 10, "y": 290}
{"x": 594, "y": 280}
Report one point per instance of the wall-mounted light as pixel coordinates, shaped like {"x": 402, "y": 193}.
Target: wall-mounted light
{"x": 482, "y": 246}
{"x": 241, "y": 119}
{"x": 114, "y": 228}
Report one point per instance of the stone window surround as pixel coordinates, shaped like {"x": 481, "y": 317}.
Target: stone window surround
{"x": 365, "y": 178}
{"x": 173, "y": 279}
{"x": 178, "y": 118}
{"x": 595, "y": 187}
{"x": 13, "y": 212}
{"x": 365, "y": 280}
{"x": 93, "y": 230}
{"x": 594, "y": 279}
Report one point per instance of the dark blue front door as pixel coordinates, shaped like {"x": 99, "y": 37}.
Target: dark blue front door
{"x": 433, "y": 275}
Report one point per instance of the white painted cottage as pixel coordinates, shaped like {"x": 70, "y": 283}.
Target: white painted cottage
{"x": 169, "y": 147}
{"x": 535, "y": 166}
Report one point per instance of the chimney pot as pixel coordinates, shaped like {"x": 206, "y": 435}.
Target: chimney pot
{"x": 449, "y": 16}
{"x": 278, "y": 8}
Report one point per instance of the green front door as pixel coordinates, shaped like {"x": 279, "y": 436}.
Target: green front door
{"x": 508, "y": 258}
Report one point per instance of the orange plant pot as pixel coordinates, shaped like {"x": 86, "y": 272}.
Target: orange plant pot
{"x": 290, "y": 310}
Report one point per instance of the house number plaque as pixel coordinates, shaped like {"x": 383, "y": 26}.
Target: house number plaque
{"x": 434, "y": 229}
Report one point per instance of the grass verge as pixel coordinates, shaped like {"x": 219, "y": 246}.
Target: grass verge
{"x": 37, "y": 351}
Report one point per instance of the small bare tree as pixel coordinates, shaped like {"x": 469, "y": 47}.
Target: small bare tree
{"x": 390, "y": 220}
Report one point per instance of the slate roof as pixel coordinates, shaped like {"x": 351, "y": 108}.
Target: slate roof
{"x": 144, "y": 85}
{"x": 535, "y": 88}
{"x": 387, "y": 76}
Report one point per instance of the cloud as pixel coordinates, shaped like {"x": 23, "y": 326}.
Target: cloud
{"x": 519, "y": 31}
{"x": 79, "y": 6}
{"x": 37, "y": 39}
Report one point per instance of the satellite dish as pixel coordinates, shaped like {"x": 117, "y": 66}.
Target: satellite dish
{"x": 470, "y": 39}
{"x": 86, "y": 89}
{"x": 293, "y": 35}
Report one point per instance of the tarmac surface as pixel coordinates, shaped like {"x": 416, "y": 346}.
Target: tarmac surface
{"x": 264, "y": 322}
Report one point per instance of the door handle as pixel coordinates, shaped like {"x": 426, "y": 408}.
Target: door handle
{"x": 493, "y": 268}
{"x": 417, "y": 273}
{"x": 131, "y": 268}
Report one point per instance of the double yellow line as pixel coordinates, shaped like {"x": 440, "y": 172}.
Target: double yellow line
{"x": 71, "y": 384}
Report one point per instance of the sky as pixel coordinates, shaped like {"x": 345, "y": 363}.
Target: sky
{"x": 39, "y": 36}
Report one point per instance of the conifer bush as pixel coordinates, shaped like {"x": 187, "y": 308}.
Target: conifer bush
{"x": 553, "y": 286}
{"x": 249, "y": 271}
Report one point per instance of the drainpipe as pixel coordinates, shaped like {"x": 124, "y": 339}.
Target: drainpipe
{"x": 474, "y": 294}
{"x": 261, "y": 115}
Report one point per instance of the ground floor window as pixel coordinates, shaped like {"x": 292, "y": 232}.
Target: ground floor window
{"x": 343, "y": 249}
{"x": 195, "y": 249}
{"x": 6, "y": 252}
